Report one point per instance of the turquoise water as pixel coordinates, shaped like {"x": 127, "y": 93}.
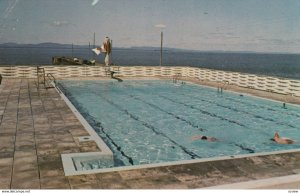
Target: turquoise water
{"x": 154, "y": 121}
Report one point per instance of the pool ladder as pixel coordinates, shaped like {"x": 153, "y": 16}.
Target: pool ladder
{"x": 222, "y": 86}
{"x": 42, "y": 79}
{"x": 176, "y": 78}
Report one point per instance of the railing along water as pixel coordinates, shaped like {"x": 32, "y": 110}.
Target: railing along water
{"x": 258, "y": 82}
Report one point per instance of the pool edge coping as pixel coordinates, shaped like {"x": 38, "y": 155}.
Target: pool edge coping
{"x": 259, "y": 184}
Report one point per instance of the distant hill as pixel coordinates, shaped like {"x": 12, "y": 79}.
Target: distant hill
{"x": 145, "y": 48}
{"x": 57, "y": 45}
{"x": 49, "y": 44}
{"x": 9, "y": 45}
{"x": 41, "y": 45}
{"x": 158, "y": 48}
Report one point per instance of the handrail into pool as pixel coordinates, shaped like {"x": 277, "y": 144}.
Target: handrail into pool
{"x": 222, "y": 85}
{"x": 51, "y": 77}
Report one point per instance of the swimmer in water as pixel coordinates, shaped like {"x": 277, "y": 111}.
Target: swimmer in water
{"x": 282, "y": 140}
{"x": 203, "y": 137}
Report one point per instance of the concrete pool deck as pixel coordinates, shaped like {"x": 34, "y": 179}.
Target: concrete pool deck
{"x": 36, "y": 127}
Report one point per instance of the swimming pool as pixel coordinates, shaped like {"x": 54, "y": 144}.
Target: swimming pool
{"x": 153, "y": 121}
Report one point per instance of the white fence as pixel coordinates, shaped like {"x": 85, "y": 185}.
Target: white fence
{"x": 266, "y": 83}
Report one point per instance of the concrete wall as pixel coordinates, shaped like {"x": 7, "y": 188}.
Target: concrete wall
{"x": 266, "y": 83}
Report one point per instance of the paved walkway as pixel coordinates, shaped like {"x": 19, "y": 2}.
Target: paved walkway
{"x": 36, "y": 127}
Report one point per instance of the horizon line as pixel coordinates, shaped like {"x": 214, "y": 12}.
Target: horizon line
{"x": 150, "y": 48}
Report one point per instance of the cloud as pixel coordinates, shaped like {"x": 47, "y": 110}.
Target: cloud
{"x": 160, "y": 25}
{"x": 60, "y": 23}
{"x": 95, "y": 2}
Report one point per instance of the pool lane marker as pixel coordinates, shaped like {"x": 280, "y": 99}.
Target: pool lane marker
{"x": 242, "y": 102}
{"x": 155, "y": 130}
{"x": 169, "y": 113}
{"x": 204, "y": 112}
{"x": 214, "y": 115}
{"x": 71, "y": 161}
{"x": 154, "y": 106}
{"x": 99, "y": 126}
{"x": 249, "y": 150}
{"x": 267, "y": 108}
{"x": 96, "y": 124}
{"x": 245, "y": 112}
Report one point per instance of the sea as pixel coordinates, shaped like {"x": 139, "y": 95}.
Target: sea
{"x": 270, "y": 64}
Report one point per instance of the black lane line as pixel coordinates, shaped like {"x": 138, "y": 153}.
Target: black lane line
{"x": 155, "y": 106}
{"x": 99, "y": 127}
{"x": 244, "y": 148}
{"x": 263, "y": 107}
{"x": 155, "y": 130}
{"x": 259, "y": 106}
{"x": 214, "y": 115}
{"x": 255, "y": 116}
{"x": 96, "y": 124}
{"x": 205, "y": 112}
{"x": 169, "y": 113}
{"x": 245, "y": 112}
{"x": 192, "y": 154}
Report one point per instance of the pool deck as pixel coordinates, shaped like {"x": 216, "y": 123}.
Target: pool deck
{"x": 36, "y": 127}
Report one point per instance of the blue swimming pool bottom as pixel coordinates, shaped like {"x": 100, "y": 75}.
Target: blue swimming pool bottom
{"x": 154, "y": 121}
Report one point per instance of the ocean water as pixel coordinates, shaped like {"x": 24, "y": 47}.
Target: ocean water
{"x": 279, "y": 65}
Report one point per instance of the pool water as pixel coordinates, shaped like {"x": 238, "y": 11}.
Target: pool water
{"x": 154, "y": 121}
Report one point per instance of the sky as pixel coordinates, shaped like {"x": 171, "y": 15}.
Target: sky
{"x": 207, "y": 25}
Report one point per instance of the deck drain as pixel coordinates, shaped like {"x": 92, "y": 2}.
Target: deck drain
{"x": 85, "y": 138}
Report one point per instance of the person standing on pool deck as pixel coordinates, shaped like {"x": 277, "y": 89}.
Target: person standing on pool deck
{"x": 107, "y": 49}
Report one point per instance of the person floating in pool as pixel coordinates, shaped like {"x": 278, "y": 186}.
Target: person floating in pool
{"x": 203, "y": 137}
{"x": 282, "y": 140}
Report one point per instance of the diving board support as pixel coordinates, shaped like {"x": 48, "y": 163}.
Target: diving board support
{"x": 112, "y": 70}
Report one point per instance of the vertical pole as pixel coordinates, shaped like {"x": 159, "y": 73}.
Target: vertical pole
{"x": 94, "y": 40}
{"x": 89, "y": 51}
{"x": 161, "y": 45}
{"x": 111, "y": 52}
{"x": 72, "y": 51}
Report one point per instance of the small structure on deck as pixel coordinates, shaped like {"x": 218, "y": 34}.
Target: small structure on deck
{"x": 71, "y": 61}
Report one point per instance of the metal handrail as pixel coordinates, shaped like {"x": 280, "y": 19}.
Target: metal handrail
{"x": 50, "y": 76}
{"x": 176, "y": 77}
{"x": 222, "y": 85}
